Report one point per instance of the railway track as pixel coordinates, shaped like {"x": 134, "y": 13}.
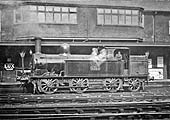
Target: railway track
{"x": 152, "y": 104}
{"x": 110, "y": 110}
{"x": 82, "y": 98}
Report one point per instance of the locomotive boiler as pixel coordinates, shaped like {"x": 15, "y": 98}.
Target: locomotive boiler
{"x": 110, "y": 69}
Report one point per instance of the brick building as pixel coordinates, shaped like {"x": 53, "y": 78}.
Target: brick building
{"x": 141, "y": 25}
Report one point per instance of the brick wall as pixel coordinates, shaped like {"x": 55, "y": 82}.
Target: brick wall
{"x": 161, "y": 27}
{"x": 7, "y": 23}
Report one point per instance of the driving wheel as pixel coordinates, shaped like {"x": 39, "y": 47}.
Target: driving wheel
{"x": 48, "y": 86}
{"x": 79, "y": 85}
{"x": 134, "y": 84}
{"x": 113, "y": 84}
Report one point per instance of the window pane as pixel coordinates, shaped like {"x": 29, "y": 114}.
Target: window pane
{"x": 108, "y": 19}
{"x": 121, "y": 11}
{"x": 169, "y": 27}
{"x": 57, "y": 17}
{"x": 100, "y": 19}
{"x": 64, "y": 18}
{"x": 64, "y": 9}
{"x": 128, "y": 20}
{"x": 18, "y": 17}
{"x": 160, "y": 61}
{"x": 128, "y": 12}
{"x": 49, "y": 17}
{"x": 73, "y": 18}
{"x": 49, "y": 8}
{"x": 114, "y": 19}
{"x": 33, "y": 8}
{"x": 41, "y": 8}
{"x": 73, "y": 10}
{"x": 107, "y": 10}
{"x": 121, "y": 19}
{"x": 114, "y": 11}
{"x": 33, "y": 17}
{"x": 100, "y": 11}
{"x": 41, "y": 17}
{"x": 135, "y": 20}
{"x": 57, "y": 9}
{"x": 135, "y": 12}
{"x": 142, "y": 20}
{"x": 0, "y": 23}
{"x": 25, "y": 16}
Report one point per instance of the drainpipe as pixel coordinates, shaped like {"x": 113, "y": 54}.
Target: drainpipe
{"x": 153, "y": 29}
{"x": 37, "y": 45}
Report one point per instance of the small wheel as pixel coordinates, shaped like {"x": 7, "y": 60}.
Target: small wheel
{"x": 134, "y": 84}
{"x": 79, "y": 85}
{"x": 48, "y": 86}
{"x": 113, "y": 85}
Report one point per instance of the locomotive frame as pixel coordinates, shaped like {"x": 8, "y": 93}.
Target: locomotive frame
{"x": 78, "y": 73}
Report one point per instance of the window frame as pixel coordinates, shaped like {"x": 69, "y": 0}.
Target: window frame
{"x": 120, "y": 13}
{"x": 71, "y": 13}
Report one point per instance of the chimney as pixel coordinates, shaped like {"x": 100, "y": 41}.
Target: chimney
{"x": 37, "y": 44}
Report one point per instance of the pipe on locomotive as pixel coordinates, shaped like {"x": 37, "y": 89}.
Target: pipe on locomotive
{"x": 37, "y": 45}
{"x": 64, "y": 48}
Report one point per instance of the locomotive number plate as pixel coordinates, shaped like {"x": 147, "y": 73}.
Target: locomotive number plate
{"x": 94, "y": 66}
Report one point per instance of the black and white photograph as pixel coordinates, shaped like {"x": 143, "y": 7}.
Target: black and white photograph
{"x": 84, "y": 59}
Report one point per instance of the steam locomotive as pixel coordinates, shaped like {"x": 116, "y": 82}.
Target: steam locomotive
{"x": 110, "y": 69}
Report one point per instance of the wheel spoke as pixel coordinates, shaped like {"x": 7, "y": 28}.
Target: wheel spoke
{"x": 44, "y": 87}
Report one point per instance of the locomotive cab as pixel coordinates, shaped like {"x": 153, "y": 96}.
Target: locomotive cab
{"x": 120, "y": 54}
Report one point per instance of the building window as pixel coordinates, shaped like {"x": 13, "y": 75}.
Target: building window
{"x": 160, "y": 61}
{"x": 169, "y": 27}
{"x": 18, "y": 15}
{"x": 0, "y": 24}
{"x": 48, "y": 14}
{"x": 119, "y": 17}
{"x": 149, "y": 63}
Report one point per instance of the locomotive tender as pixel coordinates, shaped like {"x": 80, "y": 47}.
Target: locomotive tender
{"x": 110, "y": 69}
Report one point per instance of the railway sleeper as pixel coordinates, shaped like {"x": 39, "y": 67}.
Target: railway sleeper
{"x": 80, "y": 110}
{"x": 91, "y": 116}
